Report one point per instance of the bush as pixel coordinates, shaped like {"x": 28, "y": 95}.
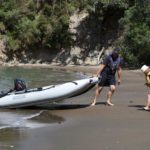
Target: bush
{"x": 137, "y": 33}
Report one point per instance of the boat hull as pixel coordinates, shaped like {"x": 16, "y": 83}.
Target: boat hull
{"x": 52, "y": 93}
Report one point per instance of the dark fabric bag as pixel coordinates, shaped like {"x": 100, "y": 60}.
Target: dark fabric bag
{"x": 19, "y": 85}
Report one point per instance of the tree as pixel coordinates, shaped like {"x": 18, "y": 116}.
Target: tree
{"x": 137, "y": 33}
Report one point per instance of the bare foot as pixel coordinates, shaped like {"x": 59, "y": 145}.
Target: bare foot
{"x": 146, "y": 108}
{"x": 109, "y": 103}
{"x": 93, "y": 103}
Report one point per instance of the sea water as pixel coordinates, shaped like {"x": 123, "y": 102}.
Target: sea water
{"x": 14, "y": 123}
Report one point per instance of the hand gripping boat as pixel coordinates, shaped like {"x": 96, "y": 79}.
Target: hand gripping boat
{"x": 52, "y": 93}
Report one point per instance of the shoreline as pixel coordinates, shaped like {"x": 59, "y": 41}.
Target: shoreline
{"x": 90, "y": 69}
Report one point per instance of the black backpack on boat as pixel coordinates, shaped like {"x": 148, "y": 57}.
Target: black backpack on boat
{"x": 19, "y": 85}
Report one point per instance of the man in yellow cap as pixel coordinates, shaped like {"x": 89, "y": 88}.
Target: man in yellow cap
{"x": 146, "y": 71}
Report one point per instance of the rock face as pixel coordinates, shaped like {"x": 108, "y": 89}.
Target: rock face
{"x": 2, "y": 52}
{"x": 84, "y": 51}
{"x": 93, "y": 35}
{"x": 79, "y": 53}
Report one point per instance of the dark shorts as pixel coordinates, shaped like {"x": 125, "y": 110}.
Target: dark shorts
{"x": 107, "y": 80}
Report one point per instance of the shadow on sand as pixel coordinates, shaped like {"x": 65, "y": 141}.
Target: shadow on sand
{"x": 139, "y": 107}
{"x": 63, "y": 106}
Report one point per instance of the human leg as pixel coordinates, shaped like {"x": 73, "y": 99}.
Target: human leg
{"x": 110, "y": 94}
{"x": 97, "y": 93}
{"x": 147, "y": 107}
{"x": 99, "y": 87}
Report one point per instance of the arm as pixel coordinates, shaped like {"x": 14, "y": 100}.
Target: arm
{"x": 148, "y": 79}
{"x": 119, "y": 73}
{"x": 101, "y": 67}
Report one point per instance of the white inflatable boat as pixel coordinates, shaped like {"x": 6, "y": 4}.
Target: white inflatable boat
{"x": 52, "y": 93}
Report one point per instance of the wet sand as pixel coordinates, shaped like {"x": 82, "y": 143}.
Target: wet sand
{"x": 124, "y": 126}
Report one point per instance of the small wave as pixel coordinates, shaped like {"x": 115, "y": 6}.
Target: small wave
{"x": 33, "y": 115}
{"x": 82, "y": 75}
{"x": 24, "y": 123}
{"x": 6, "y": 146}
{"x": 4, "y": 127}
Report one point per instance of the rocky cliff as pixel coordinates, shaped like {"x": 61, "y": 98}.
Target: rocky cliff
{"x": 93, "y": 34}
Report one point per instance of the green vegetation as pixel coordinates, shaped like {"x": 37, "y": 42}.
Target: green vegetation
{"x": 32, "y": 24}
{"x": 28, "y": 25}
{"x": 136, "y": 42}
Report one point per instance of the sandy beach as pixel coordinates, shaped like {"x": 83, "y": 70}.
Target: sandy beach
{"x": 124, "y": 126}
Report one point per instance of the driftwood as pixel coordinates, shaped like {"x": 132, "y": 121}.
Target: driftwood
{"x": 100, "y": 54}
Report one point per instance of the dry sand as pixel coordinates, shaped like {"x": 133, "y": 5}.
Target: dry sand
{"x": 124, "y": 126}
